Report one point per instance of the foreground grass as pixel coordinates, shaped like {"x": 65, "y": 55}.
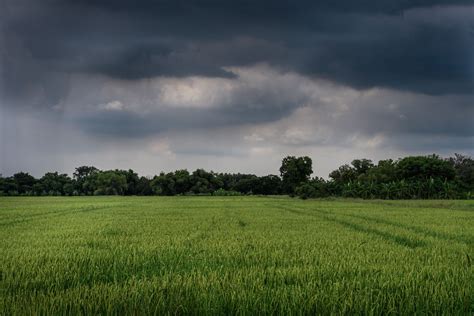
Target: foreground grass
{"x": 181, "y": 255}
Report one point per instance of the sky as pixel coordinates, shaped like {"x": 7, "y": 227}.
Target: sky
{"x": 232, "y": 85}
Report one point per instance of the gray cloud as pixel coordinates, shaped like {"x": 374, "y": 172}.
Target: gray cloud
{"x": 268, "y": 77}
{"x": 256, "y": 95}
{"x": 411, "y": 45}
{"x": 407, "y": 114}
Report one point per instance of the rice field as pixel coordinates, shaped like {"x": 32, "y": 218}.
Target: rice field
{"x": 235, "y": 255}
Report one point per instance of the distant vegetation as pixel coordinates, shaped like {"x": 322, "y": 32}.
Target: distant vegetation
{"x": 414, "y": 177}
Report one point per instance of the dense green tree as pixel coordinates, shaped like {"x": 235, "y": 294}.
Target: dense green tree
{"x": 203, "y": 182}
{"x": 8, "y": 186}
{"x": 38, "y": 189}
{"x": 343, "y": 174}
{"x": 247, "y": 185}
{"x": 385, "y": 171}
{"x": 132, "y": 180}
{"x": 144, "y": 186}
{"x": 305, "y": 191}
{"x": 425, "y": 167}
{"x": 315, "y": 188}
{"x": 53, "y": 183}
{"x": 83, "y": 172}
{"x": 164, "y": 184}
{"x": 85, "y": 179}
{"x": 24, "y": 182}
{"x": 464, "y": 169}
{"x": 362, "y": 166}
{"x": 200, "y": 183}
{"x": 230, "y": 180}
{"x": 358, "y": 169}
{"x": 111, "y": 182}
{"x": 68, "y": 188}
{"x": 182, "y": 181}
{"x": 267, "y": 185}
{"x": 295, "y": 171}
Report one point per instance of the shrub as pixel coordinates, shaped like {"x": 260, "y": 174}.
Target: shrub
{"x": 305, "y": 191}
{"x": 222, "y": 192}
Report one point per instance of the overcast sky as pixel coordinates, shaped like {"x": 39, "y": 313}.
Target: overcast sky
{"x": 232, "y": 85}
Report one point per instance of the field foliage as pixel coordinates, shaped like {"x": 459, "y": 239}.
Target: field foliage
{"x": 235, "y": 255}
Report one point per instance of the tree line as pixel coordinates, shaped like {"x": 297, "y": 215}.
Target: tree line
{"x": 413, "y": 177}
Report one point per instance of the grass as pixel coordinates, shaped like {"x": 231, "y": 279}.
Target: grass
{"x": 235, "y": 255}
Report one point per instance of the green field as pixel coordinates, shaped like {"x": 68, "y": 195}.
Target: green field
{"x": 235, "y": 255}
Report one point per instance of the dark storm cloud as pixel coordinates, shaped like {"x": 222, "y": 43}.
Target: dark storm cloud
{"x": 261, "y": 8}
{"x": 98, "y": 62}
{"x": 362, "y": 44}
{"x": 420, "y": 58}
{"x": 253, "y": 109}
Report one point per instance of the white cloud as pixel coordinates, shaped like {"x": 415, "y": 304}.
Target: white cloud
{"x": 112, "y": 106}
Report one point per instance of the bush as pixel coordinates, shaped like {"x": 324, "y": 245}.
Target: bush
{"x": 305, "y": 191}
{"x": 222, "y": 192}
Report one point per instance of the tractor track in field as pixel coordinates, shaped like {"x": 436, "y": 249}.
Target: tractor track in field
{"x": 390, "y": 237}
{"x": 414, "y": 229}
{"x": 47, "y": 215}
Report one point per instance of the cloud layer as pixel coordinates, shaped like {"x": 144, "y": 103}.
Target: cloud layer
{"x": 232, "y": 80}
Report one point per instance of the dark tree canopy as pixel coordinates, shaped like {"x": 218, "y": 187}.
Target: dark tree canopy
{"x": 420, "y": 177}
{"x": 425, "y": 167}
{"x": 295, "y": 171}
{"x": 464, "y": 168}
{"x": 343, "y": 174}
{"x": 24, "y": 182}
{"x": 111, "y": 183}
{"x": 362, "y": 166}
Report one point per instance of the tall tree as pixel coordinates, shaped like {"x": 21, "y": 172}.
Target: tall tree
{"x": 24, "y": 182}
{"x": 343, "y": 174}
{"x": 144, "y": 186}
{"x": 425, "y": 167}
{"x": 464, "y": 168}
{"x": 362, "y": 166}
{"x": 85, "y": 179}
{"x": 295, "y": 171}
{"x": 54, "y": 183}
{"x": 111, "y": 182}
